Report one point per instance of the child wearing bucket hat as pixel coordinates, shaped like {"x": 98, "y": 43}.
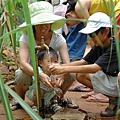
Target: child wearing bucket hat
{"x": 98, "y": 70}
{"x": 44, "y": 23}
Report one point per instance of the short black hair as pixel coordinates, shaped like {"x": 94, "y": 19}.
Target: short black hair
{"x": 71, "y": 5}
{"x": 41, "y": 53}
{"x": 102, "y": 30}
{"x": 50, "y": 1}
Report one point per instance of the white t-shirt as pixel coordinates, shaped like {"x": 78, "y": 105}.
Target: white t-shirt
{"x": 56, "y": 41}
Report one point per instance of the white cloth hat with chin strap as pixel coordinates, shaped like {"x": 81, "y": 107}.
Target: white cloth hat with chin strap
{"x": 42, "y": 13}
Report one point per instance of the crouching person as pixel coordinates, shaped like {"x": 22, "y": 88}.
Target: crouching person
{"x": 98, "y": 70}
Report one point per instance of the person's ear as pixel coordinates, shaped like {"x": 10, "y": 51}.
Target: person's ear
{"x": 68, "y": 15}
{"x": 106, "y": 32}
{"x": 40, "y": 63}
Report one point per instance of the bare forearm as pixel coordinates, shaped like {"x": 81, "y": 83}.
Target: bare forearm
{"x": 27, "y": 68}
{"x": 76, "y": 63}
{"x": 81, "y": 69}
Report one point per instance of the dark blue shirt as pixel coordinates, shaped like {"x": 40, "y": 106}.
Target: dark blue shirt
{"x": 76, "y": 42}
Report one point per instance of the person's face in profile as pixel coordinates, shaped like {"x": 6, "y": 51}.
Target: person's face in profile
{"x": 99, "y": 37}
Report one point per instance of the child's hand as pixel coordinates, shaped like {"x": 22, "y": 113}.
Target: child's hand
{"x": 57, "y": 80}
{"x": 53, "y": 80}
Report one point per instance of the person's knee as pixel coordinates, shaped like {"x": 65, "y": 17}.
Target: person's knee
{"x": 80, "y": 77}
{"x": 70, "y": 78}
{"x": 22, "y": 78}
{"x": 21, "y": 90}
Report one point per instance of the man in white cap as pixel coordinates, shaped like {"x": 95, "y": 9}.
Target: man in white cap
{"x": 98, "y": 70}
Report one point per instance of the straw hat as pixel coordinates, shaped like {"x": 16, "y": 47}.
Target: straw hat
{"x": 42, "y": 13}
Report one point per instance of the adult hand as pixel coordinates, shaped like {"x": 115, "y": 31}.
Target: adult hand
{"x": 56, "y": 69}
{"x": 45, "y": 79}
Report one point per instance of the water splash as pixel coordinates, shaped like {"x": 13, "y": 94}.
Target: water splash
{"x": 49, "y": 58}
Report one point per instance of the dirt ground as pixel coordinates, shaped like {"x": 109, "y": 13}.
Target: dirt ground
{"x": 91, "y": 108}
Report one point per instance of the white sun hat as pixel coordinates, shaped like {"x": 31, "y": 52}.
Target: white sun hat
{"x": 96, "y": 21}
{"x": 42, "y": 13}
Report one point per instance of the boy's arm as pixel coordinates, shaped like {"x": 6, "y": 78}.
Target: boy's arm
{"x": 92, "y": 68}
{"x": 76, "y": 63}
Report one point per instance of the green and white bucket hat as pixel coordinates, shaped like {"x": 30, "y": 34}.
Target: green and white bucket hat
{"x": 42, "y": 13}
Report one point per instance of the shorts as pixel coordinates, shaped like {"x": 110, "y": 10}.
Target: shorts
{"x": 71, "y": 77}
{"x": 22, "y": 78}
{"x": 49, "y": 93}
{"x": 25, "y": 79}
{"x": 105, "y": 84}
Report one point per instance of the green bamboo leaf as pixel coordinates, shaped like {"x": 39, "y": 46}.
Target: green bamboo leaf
{"x": 32, "y": 48}
{"x": 14, "y": 31}
{"x": 115, "y": 31}
{"x": 5, "y": 100}
{"x": 26, "y": 107}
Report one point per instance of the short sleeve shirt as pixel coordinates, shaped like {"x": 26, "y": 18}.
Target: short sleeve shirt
{"x": 104, "y": 6}
{"x": 56, "y": 41}
{"x": 106, "y": 58}
{"x": 76, "y": 42}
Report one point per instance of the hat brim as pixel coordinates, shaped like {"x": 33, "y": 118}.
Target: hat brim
{"x": 44, "y": 18}
{"x": 60, "y": 10}
{"x": 87, "y": 30}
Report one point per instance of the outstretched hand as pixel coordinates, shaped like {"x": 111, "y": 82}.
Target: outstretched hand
{"x": 57, "y": 80}
{"x": 56, "y": 69}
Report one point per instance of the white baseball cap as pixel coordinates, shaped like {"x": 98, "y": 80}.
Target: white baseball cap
{"x": 96, "y": 21}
